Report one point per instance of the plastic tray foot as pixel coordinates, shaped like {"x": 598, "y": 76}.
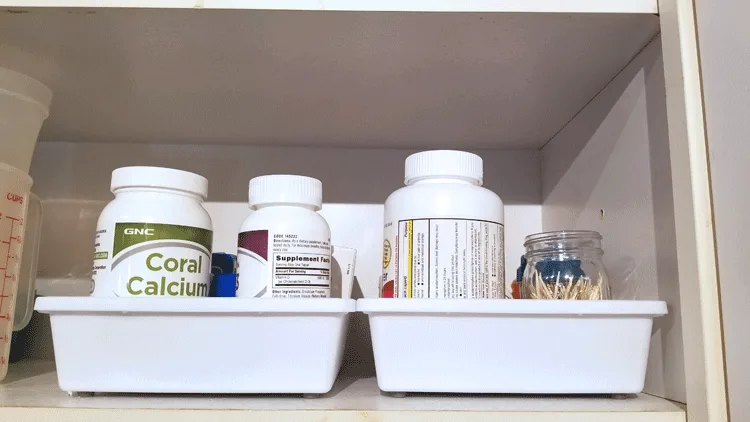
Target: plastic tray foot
{"x": 311, "y": 395}
{"x": 80, "y": 393}
{"x": 397, "y": 394}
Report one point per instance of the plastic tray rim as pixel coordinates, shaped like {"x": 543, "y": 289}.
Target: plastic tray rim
{"x": 477, "y": 307}
{"x": 203, "y": 305}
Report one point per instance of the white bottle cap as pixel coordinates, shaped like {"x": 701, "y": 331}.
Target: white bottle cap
{"x": 159, "y": 177}
{"x": 285, "y": 189}
{"x": 445, "y": 163}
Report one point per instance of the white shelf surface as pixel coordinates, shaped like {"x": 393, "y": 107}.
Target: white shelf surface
{"x": 311, "y": 78}
{"x": 554, "y": 6}
{"x": 31, "y": 393}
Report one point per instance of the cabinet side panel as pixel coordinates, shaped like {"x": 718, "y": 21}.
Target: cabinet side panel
{"x": 724, "y": 39}
{"x": 609, "y": 170}
{"x": 696, "y": 249}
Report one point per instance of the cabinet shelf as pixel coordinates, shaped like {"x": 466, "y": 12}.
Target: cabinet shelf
{"x": 311, "y": 78}
{"x": 31, "y": 393}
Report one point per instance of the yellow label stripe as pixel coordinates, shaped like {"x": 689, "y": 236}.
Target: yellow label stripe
{"x": 409, "y": 233}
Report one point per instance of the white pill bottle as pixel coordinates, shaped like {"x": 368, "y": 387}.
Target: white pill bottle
{"x": 444, "y": 233}
{"x": 154, "y": 239}
{"x": 284, "y": 246}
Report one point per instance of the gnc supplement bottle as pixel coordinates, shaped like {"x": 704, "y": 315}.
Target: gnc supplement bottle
{"x": 284, "y": 246}
{"x": 443, "y": 231}
{"x": 154, "y": 239}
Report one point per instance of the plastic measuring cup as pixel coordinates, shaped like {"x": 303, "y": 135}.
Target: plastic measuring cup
{"x": 14, "y": 201}
{"x": 27, "y": 277}
{"x": 24, "y": 104}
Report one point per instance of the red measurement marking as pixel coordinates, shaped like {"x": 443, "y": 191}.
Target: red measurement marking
{"x": 7, "y": 258}
{"x": 13, "y": 220}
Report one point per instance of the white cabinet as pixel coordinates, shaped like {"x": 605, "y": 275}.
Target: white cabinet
{"x": 724, "y": 67}
{"x": 585, "y": 116}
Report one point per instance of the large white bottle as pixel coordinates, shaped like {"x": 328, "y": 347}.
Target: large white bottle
{"x": 444, "y": 233}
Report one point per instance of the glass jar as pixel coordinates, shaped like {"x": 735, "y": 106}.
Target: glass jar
{"x": 565, "y": 265}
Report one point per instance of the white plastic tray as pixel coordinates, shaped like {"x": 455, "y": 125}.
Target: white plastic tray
{"x": 205, "y": 345}
{"x": 511, "y": 346}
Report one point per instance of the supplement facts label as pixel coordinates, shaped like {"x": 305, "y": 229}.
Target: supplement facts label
{"x": 448, "y": 258}
{"x": 296, "y": 267}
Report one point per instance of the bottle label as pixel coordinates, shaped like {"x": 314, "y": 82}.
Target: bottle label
{"x": 443, "y": 258}
{"x": 283, "y": 265}
{"x": 151, "y": 260}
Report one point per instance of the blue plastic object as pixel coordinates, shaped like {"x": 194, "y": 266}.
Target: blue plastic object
{"x": 223, "y": 263}
{"x": 225, "y": 285}
{"x": 521, "y": 269}
{"x": 564, "y": 270}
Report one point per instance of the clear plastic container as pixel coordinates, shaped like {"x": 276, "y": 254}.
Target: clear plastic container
{"x": 29, "y": 260}
{"x": 24, "y": 104}
{"x": 14, "y": 201}
{"x": 565, "y": 265}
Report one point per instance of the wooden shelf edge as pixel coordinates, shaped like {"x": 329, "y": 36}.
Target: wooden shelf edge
{"x": 31, "y": 393}
{"x": 172, "y": 415}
